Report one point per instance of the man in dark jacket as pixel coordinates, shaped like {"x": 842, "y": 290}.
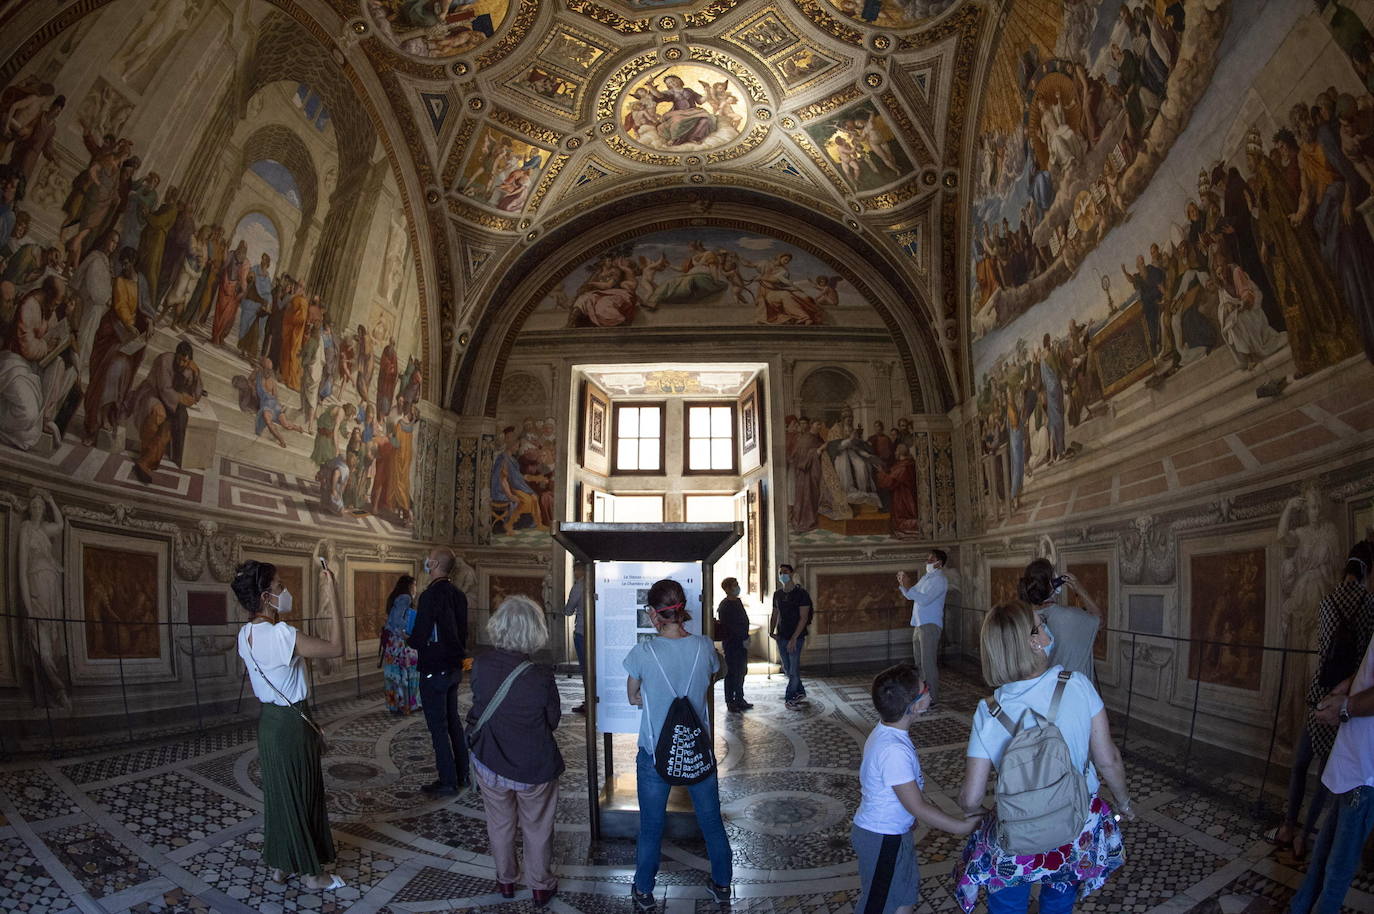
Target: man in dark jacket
{"x": 440, "y": 638}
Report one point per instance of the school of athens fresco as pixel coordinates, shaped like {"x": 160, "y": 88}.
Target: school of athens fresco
{"x": 170, "y": 289}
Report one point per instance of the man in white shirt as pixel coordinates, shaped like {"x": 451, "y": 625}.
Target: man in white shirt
{"x": 927, "y": 598}
{"x": 1349, "y": 775}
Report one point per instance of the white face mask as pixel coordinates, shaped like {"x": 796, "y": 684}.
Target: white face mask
{"x": 429, "y": 563}
{"x": 283, "y": 602}
{"x": 930, "y": 566}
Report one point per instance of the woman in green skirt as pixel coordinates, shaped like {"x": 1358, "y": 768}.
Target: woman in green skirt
{"x": 296, "y": 825}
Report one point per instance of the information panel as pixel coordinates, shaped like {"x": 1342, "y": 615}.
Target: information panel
{"x": 622, "y": 620}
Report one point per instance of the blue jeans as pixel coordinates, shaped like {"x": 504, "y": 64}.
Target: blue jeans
{"x": 653, "y": 807}
{"x": 1297, "y": 784}
{"x": 439, "y": 700}
{"x": 791, "y": 667}
{"x": 1055, "y": 898}
{"x": 1336, "y": 856}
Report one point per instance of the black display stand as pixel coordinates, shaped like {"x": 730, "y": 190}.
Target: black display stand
{"x": 614, "y": 805}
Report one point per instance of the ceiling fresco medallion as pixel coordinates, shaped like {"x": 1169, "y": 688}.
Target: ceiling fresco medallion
{"x": 437, "y": 28}
{"x": 683, "y": 108}
{"x": 891, "y": 14}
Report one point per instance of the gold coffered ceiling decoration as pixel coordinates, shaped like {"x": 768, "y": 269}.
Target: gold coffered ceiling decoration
{"x": 841, "y": 106}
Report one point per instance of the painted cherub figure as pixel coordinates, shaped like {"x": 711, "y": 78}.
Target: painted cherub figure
{"x": 722, "y": 101}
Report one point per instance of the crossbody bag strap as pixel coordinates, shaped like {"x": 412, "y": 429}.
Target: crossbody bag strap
{"x": 500, "y": 695}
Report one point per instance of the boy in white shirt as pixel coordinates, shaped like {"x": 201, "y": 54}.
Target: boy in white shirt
{"x": 892, "y": 801}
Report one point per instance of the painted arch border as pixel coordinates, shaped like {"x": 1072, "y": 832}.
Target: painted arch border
{"x": 524, "y": 286}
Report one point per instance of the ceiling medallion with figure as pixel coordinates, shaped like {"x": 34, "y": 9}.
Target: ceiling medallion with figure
{"x": 682, "y": 108}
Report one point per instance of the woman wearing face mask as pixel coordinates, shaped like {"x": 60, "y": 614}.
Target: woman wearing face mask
{"x": 296, "y": 838}
{"x": 1072, "y": 630}
{"x": 1015, "y": 652}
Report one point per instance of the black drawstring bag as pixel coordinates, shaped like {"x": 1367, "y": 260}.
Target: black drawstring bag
{"x": 683, "y": 753}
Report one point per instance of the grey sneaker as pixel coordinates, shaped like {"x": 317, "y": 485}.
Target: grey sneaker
{"x": 644, "y": 901}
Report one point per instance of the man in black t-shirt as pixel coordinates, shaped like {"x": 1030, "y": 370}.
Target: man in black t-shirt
{"x": 440, "y": 637}
{"x": 788, "y": 625}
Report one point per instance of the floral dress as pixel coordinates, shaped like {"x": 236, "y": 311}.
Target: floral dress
{"x": 399, "y": 662}
{"x": 1087, "y": 862}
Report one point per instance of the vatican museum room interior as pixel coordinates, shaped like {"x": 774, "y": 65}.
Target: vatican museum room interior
{"x": 407, "y": 341}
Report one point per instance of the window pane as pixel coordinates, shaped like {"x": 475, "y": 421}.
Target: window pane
{"x": 629, "y": 422}
{"x": 720, "y": 422}
{"x": 699, "y": 422}
{"x": 639, "y": 509}
{"x": 721, "y": 449}
{"x": 649, "y": 421}
{"x": 699, "y": 454}
{"x": 627, "y": 454}
{"x": 703, "y": 509}
{"x": 648, "y": 453}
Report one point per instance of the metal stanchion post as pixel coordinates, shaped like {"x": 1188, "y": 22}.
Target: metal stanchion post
{"x": 357, "y": 665}
{"x": 1273, "y": 728}
{"x": 124, "y": 692}
{"x": 195, "y": 678}
{"x": 1130, "y": 693}
{"x": 1192, "y": 723}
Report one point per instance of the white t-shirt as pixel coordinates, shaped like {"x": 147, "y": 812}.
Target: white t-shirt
{"x": 889, "y": 759}
{"x": 1352, "y": 758}
{"x": 274, "y": 649}
{"x": 1077, "y": 709}
{"x": 688, "y": 664}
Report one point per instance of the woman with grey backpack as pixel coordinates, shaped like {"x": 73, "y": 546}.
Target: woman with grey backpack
{"x": 515, "y": 758}
{"x": 1045, "y": 731}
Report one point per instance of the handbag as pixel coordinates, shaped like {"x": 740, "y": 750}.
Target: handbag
{"x": 319, "y": 734}
{"x": 495, "y": 703}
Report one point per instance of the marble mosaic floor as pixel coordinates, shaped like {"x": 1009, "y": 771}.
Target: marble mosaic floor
{"x": 176, "y": 827}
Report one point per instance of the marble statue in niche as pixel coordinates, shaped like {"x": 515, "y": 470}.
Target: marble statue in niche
{"x": 40, "y": 597}
{"x": 1307, "y": 573}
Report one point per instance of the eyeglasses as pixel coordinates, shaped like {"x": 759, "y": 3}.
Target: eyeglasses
{"x": 1040, "y": 624}
{"x": 925, "y": 690}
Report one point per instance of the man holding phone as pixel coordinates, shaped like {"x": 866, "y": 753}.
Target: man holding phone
{"x": 927, "y": 597}
{"x": 440, "y": 637}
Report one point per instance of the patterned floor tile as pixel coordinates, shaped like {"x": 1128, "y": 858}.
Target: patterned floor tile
{"x": 1158, "y": 867}
{"x": 36, "y": 795}
{"x": 24, "y": 884}
{"x": 99, "y": 862}
{"x": 1265, "y": 896}
{"x": 237, "y": 870}
{"x": 114, "y": 766}
{"x": 170, "y": 811}
{"x": 177, "y": 901}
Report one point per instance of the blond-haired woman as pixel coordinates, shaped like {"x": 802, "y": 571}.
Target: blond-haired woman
{"x": 1016, "y": 644}
{"x": 515, "y": 758}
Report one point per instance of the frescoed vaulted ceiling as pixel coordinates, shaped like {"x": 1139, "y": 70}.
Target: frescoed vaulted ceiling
{"x": 855, "y": 111}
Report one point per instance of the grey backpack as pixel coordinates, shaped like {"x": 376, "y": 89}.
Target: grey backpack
{"x": 1042, "y": 796}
